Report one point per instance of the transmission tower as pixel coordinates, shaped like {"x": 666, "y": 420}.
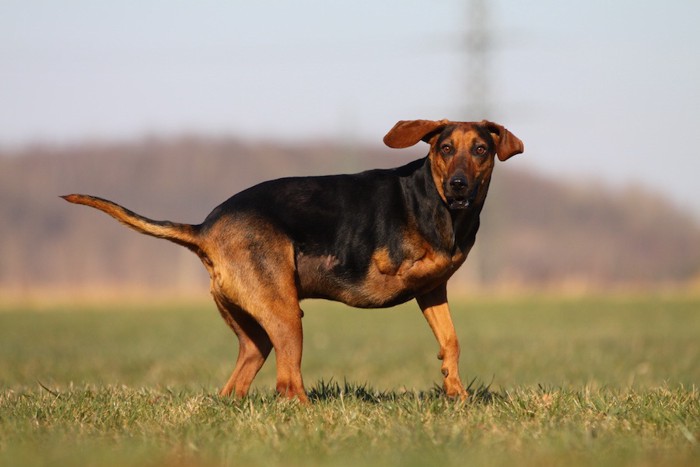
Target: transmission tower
{"x": 477, "y": 103}
{"x": 478, "y": 46}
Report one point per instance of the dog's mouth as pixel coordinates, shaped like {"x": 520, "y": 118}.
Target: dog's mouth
{"x": 461, "y": 199}
{"x": 458, "y": 202}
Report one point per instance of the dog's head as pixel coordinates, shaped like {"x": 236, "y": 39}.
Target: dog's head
{"x": 461, "y": 154}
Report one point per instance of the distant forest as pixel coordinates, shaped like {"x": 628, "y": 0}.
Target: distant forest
{"x": 536, "y": 231}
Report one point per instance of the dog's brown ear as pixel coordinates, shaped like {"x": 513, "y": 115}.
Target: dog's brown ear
{"x": 507, "y": 144}
{"x": 408, "y": 132}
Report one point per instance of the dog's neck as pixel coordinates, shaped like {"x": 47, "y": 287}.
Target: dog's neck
{"x": 453, "y": 229}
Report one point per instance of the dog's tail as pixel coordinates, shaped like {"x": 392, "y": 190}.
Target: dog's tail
{"x": 182, "y": 234}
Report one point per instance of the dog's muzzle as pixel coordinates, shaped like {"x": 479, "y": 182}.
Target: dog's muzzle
{"x": 458, "y": 194}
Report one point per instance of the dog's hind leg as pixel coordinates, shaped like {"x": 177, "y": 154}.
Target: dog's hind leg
{"x": 254, "y": 346}
{"x": 287, "y": 338}
{"x": 278, "y": 313}
{"x": 257, "y": 273}
{"x": 276, "y": 308}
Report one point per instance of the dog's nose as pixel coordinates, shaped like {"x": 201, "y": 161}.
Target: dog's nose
{"x": 458, "y": 183}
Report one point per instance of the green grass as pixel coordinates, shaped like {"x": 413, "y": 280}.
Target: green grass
{"x": 596, "y": 381}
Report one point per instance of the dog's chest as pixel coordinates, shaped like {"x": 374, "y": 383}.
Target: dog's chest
{"x": 419, "y": 272}
{"x": 386, "y": 281}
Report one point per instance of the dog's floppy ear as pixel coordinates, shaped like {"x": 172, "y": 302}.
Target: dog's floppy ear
{"x": 507, "y": 144}
{"x": 408, "y": 132}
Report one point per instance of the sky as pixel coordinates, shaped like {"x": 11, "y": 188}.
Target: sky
{"x": 599, "y": 91}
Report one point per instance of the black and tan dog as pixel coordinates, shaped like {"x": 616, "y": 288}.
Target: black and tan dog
{"x": 373, "y": 239}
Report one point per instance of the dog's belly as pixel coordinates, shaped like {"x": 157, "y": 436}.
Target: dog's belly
{"x": 384, "y": 284}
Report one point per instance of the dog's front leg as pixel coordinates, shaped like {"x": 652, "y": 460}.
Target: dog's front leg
{"x": 437, "y": 312}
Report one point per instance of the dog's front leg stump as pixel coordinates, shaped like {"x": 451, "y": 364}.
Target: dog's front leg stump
{"x": 437, "y": 313}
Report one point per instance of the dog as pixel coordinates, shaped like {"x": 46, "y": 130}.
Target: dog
{"x": 373, "y": 239}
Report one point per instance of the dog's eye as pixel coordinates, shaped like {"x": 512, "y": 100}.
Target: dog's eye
{"x": 446, "y": 149}
{"x": 480, "y": 150}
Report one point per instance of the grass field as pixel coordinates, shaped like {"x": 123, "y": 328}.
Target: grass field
{"x": 594, "y": 381}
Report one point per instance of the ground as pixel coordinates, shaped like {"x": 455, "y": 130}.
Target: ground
{"x": 604, "y": 380}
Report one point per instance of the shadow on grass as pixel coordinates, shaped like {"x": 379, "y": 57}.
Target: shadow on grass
{"x": 323, "y": 391}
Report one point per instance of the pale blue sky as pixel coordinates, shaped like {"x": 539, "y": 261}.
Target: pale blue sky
{"x": 595, "y": 88}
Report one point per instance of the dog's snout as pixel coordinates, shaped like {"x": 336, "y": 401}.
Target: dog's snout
{"x": 458, "y": 183}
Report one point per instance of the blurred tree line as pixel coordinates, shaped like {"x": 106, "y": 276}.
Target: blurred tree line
{"x": 536, "y": 231}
